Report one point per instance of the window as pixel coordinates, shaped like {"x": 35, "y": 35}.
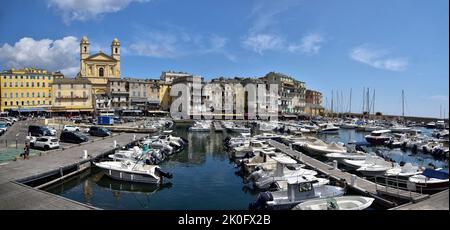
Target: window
{"x": 11, "y": 103}
{"x": 23, "y": 103}
{"x": 28, "y": 94}
{"x": 118, "y": 90}
{"x": 38, "y": 84}
{"x": 71, "y": 86}
{"x": 6, "y": 95}
{"x": 28, "y": 102}
{"x": 71, "y": 94}
{"x": 17, "y": 95}
{"x": 26, "y": 77}
{"x": 116, "y": 50}
{"x": 59, "y": 86}
{"x": 27, "y": 84}
{"x": 32, "y": 84}
{"x": 15, "y": 77}
{"x": 43, "y": 102}
{"x": 32, "y": 102}
{"x": 32, "y": 94}
{"x": 21, "y": 84}
{"x": 17, "y": 102}
{"x": 38, "y": 77}
{"x": 16, "y": 84}
{"x": 101, "y": 72}
{"x": 84, "y": 86}
{"x": 49, "y": 94}
{"x": 10, "y": 84}
{"x": 21, "y": 95}
{"x": 43, "y": 84}
{"x": 10, "y": 77}
{"x": 10, "y": 95}
{"x": 38, "y": 94}
{"x": 59, "y": 94}
{"x": 50, "y": 103}
{"x": 21, "y": 76}
{"x": 303, "y": 187}
{"x": 49, "y": 78}
{"x": 38, "y": 102}
{"x": 145, "y": 94}
{"x": 112, "y": 90}
{"x": 6, "y": 103}
{"x": 4, "y": 85}
{"x": 43, "y": 94}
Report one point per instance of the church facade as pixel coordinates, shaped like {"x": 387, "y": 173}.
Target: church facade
{"x": 99, "y": 67}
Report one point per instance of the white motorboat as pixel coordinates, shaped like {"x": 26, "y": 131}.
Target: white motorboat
{"x": 201, "y": 126}
{"x": 329, "y": 129}
{"x": 378, "y": 137}
{"x": 404, "y": 171}
{"x": 372, "y": 128}
{"x": 429, "y": 180}
{"x": 133, "y": 171}
{"x": 358, "y": 155}
{"x": 265, "y": 180}
{"x": 337, "y": 203}
{"x": 322, "y": 148}
{"x": 299, "y": 189}
{"x": 372, "y": 166}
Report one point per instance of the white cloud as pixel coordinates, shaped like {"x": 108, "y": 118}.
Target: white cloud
{"x": 378, "y": 58}
{"x": 439, "y": 97}
{"x": 177, "y": 43}
{"x": 48, "y": 54}
{"x": 262, "y": 42}
{"x": 82, "y": 10}
{"x": 310, "y": 44}
{"x": 266, "y": 13}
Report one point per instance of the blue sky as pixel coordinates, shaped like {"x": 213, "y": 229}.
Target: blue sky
{"x": 387, "y": 45}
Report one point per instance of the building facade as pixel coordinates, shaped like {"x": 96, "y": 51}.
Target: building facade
{"x": 291, "y": 93}
{"x": 134, "y": 94}
{"x": 165, "y": 86}
{"x": 100, "y": 67}
{"x": 314, "y": 103}
{"x": 26, "y": 90}
{"x": 72, "y": 95}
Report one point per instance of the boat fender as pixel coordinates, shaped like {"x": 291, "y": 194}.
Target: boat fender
{"x": 164, "y": 174}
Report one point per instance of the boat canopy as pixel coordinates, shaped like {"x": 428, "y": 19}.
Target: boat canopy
{"x": 284, "y": 160}
{"x": 381, "y": 131}
{"x": 438, "y": 174}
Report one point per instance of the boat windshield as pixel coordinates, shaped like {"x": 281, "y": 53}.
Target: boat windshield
{"x": 304, "y": 187}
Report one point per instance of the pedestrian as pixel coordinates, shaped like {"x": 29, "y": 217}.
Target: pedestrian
{"x": 26, "y": 151}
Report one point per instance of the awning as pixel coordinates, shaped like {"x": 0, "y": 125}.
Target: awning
{"x": 157, "y": 111}
{"x": 32, "y": 109}
{"x": 131, "y": 111}
{"x": 289, "y": 116}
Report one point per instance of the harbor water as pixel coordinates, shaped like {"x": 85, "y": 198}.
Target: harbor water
{"x": 203, "y": 178}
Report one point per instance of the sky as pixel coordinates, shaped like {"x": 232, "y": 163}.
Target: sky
{"x": 333, "y": 46}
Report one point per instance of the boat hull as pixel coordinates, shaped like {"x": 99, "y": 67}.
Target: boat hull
{"x": 131, "y": 177}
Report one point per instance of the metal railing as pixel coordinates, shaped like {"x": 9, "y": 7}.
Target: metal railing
{"x": 395, "y": 183}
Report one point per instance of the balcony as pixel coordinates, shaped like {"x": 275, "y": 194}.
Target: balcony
{"x": 63, "y": 97}
{"x": 120, "y": 92}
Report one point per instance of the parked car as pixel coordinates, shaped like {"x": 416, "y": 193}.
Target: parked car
{"x": 6, "y": 121}
{"x": 73, "y": 137}
{"x": 46, "y": 143}
{"x": 71, "y": 128}
{"x": 38, "y": 131}
{"x": 52, "y": 130}
{"x": 3, "y": 128}
{"x": 99, "y": 131}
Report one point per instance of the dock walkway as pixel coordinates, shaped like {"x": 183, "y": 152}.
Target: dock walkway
{"x": 217, "y": 126}
{"x": 360, "y": 184}
{"x": 12, "y": 194}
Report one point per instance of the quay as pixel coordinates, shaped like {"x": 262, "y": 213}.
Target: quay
{"x": 356, "y": 183}
{"x": 14, "y": 176}
{"x": 438, "y": 201}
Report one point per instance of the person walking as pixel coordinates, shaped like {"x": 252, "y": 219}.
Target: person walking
{"x": 26, "y": 152}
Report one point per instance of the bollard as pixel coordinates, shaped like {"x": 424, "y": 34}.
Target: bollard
{"x": 335, "y": 164}
{"x": 353, "y": 180}
{"x": 134, "y": 137}
{"x": 115, "y": 143}
{"x": 290, "y": 146}
{"x": 85, "y": 154}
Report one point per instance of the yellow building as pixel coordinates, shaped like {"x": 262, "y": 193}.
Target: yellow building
{"x": 72, "y": 95}
{"x": 165, "y": 100}
{"x": 26, "y": 90}
{"x": 99, "y": 67}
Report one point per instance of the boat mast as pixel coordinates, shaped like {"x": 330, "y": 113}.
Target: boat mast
{"x": 403, "y": 104}
{"x": 373, "y": 103}
{"x": 332, "y": 96}
{"x": 350, "y": 106}
{"x": 364, "y": 101}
